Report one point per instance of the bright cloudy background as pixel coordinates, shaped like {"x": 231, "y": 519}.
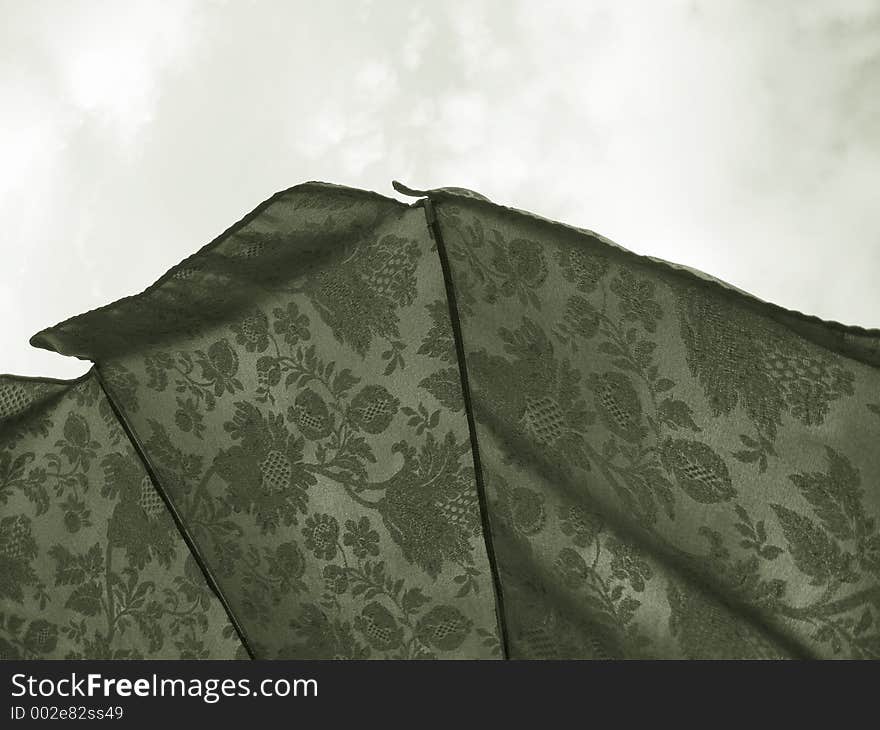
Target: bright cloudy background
{"x": 741, "y": 138}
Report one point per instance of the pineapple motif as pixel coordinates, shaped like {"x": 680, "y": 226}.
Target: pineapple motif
{"x": 619, "y": 405}
{"x": 360, "y": 301}
{"x": 251, "y": 329}
{"x": 539, "y": 643}
{"x": 42, "y": 637}
{"x": 310, "y": 413}
{"x": 373, "y": 408}
{"x": 543, "y": 419}
{"x": 389, "y": 269}
{"x": 809, "y": 382}
{"x": 149, "y": 500}
{"x": 338, "y": 287}
{"x": 379, "y": 627}
{"x": 744, "y": 359}
{"x": 463, "y": 510}
{"x": 698, "y": 469}
{"x": 268, "y": 374}
{"x": 15, "y": 537}
{"x": 527, "y": 510}
{"x": 13, "y": 400}
{"x": 276, "y": 471}
{"x": 443, "y": 627}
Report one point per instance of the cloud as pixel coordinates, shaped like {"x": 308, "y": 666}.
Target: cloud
{"x": 741, "y": 138}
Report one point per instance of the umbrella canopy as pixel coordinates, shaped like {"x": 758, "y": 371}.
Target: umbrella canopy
{"x": 456, "y": 430}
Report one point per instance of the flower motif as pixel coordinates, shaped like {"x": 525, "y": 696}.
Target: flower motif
{"x": 76, "y": 515}
{"x": 335, "y": 579}
{"x": 618, "y": 404}
{"x": 41, "y": 637}
{"x": 265, "y": 472}
{"x": 444, "y": 628}
{"x": 582, "y": 269}
{"x": 579, "y": 524}
{"x": 292, "y": 325}
{"x": 287, "y": 565}
{"x": 636, "y": 298}
{"x": 309, "y": 412}
{"x": 571, "y": 567}
{"x": 527, "y": 510}
{"x": 220, "y": 366}
{"x": 627, "y": 564}
{"x": 143, "y": 539}
{"x": 698, "y": 470}
{"x": 379, "y": 627}
{"x": 373, "y": 409}
{"x": 72, "y": 521}
{"x": 252, "y": 332}
{"x": 581, "y": 317}
{"x": 524, "y": 264}
{"x": 187, "y": 416}
{"x": 268, "y": 373}
{"x": 321, "y": 638}
{"x": 363, "y": 540}
{"x": 322, "y": 535}
{"x": 77, "y": 444}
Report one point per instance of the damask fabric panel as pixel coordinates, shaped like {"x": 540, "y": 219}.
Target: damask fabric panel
{"x": 382, "y": 428}
{"x": 91, "y": 563}
{"x": 294, "y": 386}
{"x": 674, "y": 469}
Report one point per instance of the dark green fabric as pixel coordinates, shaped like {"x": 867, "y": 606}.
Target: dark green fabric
{"x": 681, "y": 470}
{"x": 457, "y": 430}
{"x": 91, "y": 563}
{"x": 294, "y": 387}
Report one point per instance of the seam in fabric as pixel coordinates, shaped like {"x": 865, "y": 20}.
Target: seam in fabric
{"x": 178, "y": 521}
{"x": 434, "y": 230}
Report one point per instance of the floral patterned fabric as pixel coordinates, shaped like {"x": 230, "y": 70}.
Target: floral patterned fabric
{"x": 450, "y": 430}
{"x": 675, "y": 470}
{"x": 91, "y": 563}
{"x": 293, "y": 386}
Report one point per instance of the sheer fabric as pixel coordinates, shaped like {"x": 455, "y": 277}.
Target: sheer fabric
{"x": 443, "y": 430}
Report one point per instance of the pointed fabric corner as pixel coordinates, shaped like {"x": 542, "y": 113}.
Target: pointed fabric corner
{"x": 294, "y": 388}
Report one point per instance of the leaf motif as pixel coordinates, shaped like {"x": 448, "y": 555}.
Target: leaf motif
{"x": 86, "y": 599}
{"x": 747, "y": 457}
{"x": 814, "y": 553}
{"x": 676, "y": 414}
{"x": 445, "y": 386}
{"x": 68, "y": 570}
{"x": 835, "y": 495}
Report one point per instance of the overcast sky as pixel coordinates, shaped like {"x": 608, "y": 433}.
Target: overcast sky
{"x": 741, "y": 138}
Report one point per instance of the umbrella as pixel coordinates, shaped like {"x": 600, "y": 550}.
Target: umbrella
{"x": 357, "y": 428}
